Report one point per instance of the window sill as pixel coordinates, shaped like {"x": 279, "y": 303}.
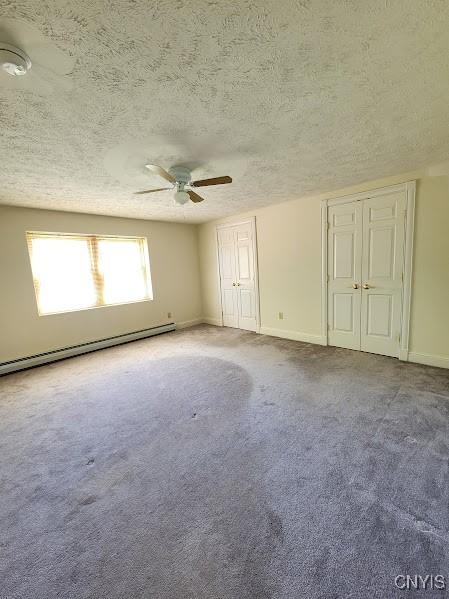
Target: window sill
{"x": 147, "y": 299}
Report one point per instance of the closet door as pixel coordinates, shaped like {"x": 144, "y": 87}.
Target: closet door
{"x": 238, "y": 275}
{"x": 245, "y": 278}
{"x": 227, "y": 262}
{"x": 344, "y": 274}
{"x": 382, "y": 270}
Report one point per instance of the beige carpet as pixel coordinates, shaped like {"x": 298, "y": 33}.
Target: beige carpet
{"x": 215, "y": 464}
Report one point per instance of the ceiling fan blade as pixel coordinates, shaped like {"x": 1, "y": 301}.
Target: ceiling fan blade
{"x": 136, "y": 193}
{"x": 158, "y": 170}
{"x": 214, "y": 181}
{"x": 195, "y": 197}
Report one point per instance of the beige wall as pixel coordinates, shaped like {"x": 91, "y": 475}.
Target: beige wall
{"x": 289, "y": 252}
{"x": 173, "y": 250}
{"x": 430, "y": 290}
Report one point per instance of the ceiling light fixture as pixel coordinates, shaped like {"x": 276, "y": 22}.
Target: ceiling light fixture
{"x": 13, "y": 60}
{"x": 181, "y": 197}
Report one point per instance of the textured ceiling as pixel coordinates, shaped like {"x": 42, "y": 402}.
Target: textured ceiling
{"x": 288, "y": 97}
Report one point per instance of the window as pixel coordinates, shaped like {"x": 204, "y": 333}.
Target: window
{"x": 75, "y": 272}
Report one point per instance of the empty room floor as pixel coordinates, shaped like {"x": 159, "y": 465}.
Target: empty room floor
{"x": 215, "y": 463}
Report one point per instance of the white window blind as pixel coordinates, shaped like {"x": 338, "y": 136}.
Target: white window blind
{"x": 75, "y": 272}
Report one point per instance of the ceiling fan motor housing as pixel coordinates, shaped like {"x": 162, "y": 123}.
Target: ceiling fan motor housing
{"x": 181, "y": 174}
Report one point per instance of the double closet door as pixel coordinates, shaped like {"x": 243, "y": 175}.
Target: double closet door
{"x": 366, "y": 241}
{"x": 236, "y": 254}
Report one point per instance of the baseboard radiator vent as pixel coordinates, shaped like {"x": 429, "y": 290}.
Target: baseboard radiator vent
{"x": 83, "y": 348}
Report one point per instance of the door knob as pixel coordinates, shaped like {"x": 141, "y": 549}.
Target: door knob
{"x": 233, "y": 284}
{"x": 355, "y": 285}
{"x": 238, "y": 284}
{"x": 365, "y": 286}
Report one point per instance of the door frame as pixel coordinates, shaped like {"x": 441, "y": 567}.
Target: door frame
{"x": 410, "y": 190}
{"x": 252, "y": 221}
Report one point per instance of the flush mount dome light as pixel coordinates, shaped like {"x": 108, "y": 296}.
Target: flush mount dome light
{"x": 13, "y": 60}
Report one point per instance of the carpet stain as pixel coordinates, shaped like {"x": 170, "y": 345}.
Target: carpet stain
{"x": 88, "y": 500}
{"x": 275, "y": 526}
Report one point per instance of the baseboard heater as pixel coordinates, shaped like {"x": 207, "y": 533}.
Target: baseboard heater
{"x": 82, "y": 348}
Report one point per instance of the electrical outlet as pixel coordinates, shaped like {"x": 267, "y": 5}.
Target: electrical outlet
{"x": 281, "y": 316}
{"x": 168, "y": 314}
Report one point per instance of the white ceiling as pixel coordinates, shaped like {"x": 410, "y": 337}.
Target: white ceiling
{"x": 288, "y": 97}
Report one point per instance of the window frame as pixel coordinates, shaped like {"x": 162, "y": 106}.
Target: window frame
{"x": 92, "y": 240}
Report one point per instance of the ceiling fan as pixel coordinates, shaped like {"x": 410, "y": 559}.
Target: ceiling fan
{"x": 181, "y": 182}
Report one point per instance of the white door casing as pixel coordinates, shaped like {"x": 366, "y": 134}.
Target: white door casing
{"x": 368, "y": 236}
{"x": 238, "y": 275}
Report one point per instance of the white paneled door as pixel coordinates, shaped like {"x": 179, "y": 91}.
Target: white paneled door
{"x": 382, "y": 273}
{"x": 226, "y": 255}
{"x": 238, "y": 278}
{"x": 345, "y": 273}
{"x": 365, "y": 273}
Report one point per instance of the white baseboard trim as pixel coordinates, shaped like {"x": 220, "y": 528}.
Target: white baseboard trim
{"x": 84, "y": 348}
{"x": 429, "y": 359}
{"x": 189, "y": 323}
{"x": 294, "y": 335}
{"x": 214, "y": 321}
